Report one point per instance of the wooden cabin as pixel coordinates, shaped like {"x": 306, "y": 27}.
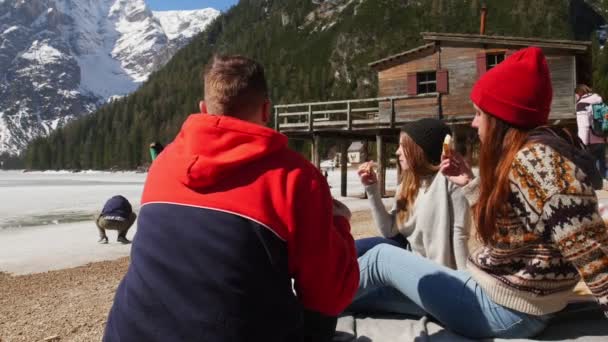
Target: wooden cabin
{"x": 432, "y": 80}
{"x": 446, "y": 68}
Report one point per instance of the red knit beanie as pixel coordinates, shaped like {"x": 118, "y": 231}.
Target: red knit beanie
{"x": 518, "y": 90}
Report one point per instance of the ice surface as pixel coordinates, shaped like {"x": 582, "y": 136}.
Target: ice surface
{"x": 46, "y": 218}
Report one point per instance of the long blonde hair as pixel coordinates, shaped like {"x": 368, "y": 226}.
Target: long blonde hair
{"x": 419, "y": 168}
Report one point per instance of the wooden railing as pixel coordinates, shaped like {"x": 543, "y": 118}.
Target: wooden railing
{"x": 346, "y": 114}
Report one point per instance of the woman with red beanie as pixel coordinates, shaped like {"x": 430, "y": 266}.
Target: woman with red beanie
{"x": 536, "y": 217}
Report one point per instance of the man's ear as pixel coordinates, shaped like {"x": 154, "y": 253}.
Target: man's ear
{"x": 266, "y": 111}
{"x": 202, "y": 107}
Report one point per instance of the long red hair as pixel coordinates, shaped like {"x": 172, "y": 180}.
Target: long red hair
{"x": 495, "y": 159}
{"x": 419, "y": 168}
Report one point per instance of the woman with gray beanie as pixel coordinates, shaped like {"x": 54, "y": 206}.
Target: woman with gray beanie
{"x": 430, "y": 216}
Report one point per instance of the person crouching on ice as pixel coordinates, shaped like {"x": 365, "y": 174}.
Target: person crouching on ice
{"x": 116, "y": 214}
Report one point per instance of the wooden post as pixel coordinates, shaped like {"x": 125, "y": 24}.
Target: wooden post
{"x": 349, "y": 118}
{"x": 310, "y": 127}
{"x": 439, "y": 107}
{"x": 471, "y": 138}
{"x": 381, "y": 164}
{"x": 316, "y": 153}
{"x": 392, "y": 124}
{"x": 343, "y": 167}
{"x": 399, "y": 171}
{"x": 366, "y": 144}
{"x": 276, "y": 119}
{"x": 460, "y": 140}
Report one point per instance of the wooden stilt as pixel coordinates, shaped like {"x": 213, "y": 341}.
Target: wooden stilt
{"x": 381, "y": 164}
{"x": 343, "y": 167}
{"x": 316, "y": 153}
{"x": 398, "y": 171}
{"x": 366, "y": 148}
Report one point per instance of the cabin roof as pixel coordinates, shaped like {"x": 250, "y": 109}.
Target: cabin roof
{"x": 477, "y": 39}
{"x": 401, "y": 55}
{"x": 355, "y": 146}
{"x": 572, "y": 46}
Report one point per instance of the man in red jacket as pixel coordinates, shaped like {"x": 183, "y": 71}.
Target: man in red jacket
{"x": 230, "y": 215}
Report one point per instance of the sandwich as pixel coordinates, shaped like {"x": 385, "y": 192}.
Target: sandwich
{"x": 447, "y": 145}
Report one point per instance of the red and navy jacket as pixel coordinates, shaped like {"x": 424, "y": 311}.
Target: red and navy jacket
{"x": 230, "y": 215}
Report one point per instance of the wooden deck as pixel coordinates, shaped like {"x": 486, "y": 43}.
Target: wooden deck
{"x": 359, "y": 117}
{"x": 373, "y": 119}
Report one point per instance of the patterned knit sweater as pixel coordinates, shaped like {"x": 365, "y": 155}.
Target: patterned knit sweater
{"x": 552, "y": 236}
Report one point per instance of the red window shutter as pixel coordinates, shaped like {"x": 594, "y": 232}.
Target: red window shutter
{"x": 412, "y": 84}
{"x": 482, "y": 66}
{"x": 442, "y": 81}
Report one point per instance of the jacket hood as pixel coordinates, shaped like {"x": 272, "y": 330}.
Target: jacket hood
{"x": 209, "y": 148}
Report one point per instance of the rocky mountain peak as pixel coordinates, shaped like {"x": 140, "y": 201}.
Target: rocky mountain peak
{"x": 61, "y": 59}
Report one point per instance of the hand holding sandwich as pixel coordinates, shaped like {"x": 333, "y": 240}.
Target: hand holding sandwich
{"x": 367, "y": 174}
{"x": 453, "y": 165}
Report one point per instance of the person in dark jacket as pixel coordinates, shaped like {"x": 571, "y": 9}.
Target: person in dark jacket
{"x": 117, "y": 214}
{"x": 230, "y": 216}
{"x": 155, "y": 149}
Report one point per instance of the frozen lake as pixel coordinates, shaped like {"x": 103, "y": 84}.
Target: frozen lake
{"x": 49, "y": 198}
{"x": 46, "y": 198}
{"x": 46, "y": 218}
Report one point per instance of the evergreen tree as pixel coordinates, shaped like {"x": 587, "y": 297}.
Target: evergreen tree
{"x": 311, "y": 52}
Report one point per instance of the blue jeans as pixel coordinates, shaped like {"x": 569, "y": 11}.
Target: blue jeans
{"x": 398, "y": 281}
{"x": 365, "y": 244}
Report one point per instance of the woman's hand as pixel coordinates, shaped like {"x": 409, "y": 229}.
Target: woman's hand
{"x": 367, "y": 174}
{"x": 456, "y": 169}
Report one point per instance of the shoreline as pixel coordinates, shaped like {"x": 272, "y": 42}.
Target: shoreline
{"x": 72, "y": 303}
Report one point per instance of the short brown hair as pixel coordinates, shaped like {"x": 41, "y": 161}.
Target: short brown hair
{"x": 234, "y": 85}
{"x": 582, "y": 89}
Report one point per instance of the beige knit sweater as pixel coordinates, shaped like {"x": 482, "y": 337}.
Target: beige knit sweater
{"x": 552, "y": 236}
{"x": 438, "y": 226}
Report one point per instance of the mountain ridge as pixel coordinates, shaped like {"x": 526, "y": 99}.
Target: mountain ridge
{"x": 311, "y": 50}
{"x": 62, "y": 59}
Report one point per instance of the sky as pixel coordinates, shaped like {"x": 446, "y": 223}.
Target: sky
{"x": 171, "y": 5}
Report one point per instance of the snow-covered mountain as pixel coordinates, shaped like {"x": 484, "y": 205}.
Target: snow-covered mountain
{"x": 60, "y": 59}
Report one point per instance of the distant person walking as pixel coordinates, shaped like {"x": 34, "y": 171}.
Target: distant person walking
{"x": 230, "y": 217}
{"x": 117, "y": 214}
{"x": 585, "y": 99}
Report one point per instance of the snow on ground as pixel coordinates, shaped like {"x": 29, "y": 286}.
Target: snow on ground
{"x": 55, "y": 247}
{"x": 355, "y": 190}
{"x": 42, "y": 53}
{"x": 46, "y": 218}
{"x": 104, "y": 76}
{"x": 46, "y": 198}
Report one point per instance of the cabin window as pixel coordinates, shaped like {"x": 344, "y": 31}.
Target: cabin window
{"x": 486, "y": 61}
{"x": 426, "y": 82}
{"x": 493, "y": 60}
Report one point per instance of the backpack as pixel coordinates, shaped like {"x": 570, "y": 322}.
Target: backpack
{"x": 599, "y": 119}
{"x": 571, "y": 147}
